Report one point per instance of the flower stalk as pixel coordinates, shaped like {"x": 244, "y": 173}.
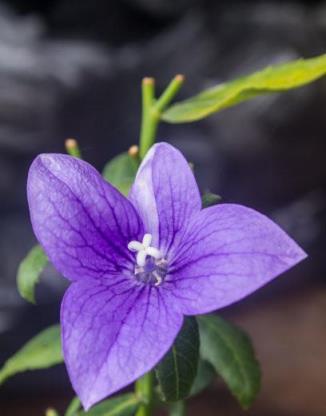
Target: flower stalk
{"x": 178, "y": 409}
{"x": 151, "y": 113}
{"x": 152, "y": 109}
{"x": 144, "y": 389}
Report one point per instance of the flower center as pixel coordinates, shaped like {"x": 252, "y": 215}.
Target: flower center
{"x": 150, "y": 266}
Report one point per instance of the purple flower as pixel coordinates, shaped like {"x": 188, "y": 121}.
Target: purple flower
{"x": 139, "y": 265}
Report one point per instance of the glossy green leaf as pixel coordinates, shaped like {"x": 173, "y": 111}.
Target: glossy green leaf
{"x": 29, "y": 272}
{"x": 73, "y": 407}
{"x": 209, "y": 199}
{"x": 42, "y": 351}
{"x": 121, "y": 172}
{"x": 272, "y": 79}
{"x": 177, "y": 371}
{"x": 204, "y": 377}
{"x": 230, "y": 352}
{"x": 124, "y": 405}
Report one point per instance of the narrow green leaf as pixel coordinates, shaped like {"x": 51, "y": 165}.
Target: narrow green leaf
{"x": 124, "y": 405}
{"x": 230, "y": 352}
{"x": 42, "y": 351}
{"x": 204, "y": 377}
{"x": 121, "y": 172}
{"x": 73, "y": 407}
{"x": 209, "y": 199}
{"x": 177, "y": 371}
{"x": 29, "y": 271}
{"x": 272, "y": 79}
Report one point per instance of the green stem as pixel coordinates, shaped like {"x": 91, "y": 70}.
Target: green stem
{"x": 149, "y": 123}
{"x": 144, "y": 389}
{"x": 170, "y": 92}
{"x": 152, "y": 109}
{"x": 178, "y": 409}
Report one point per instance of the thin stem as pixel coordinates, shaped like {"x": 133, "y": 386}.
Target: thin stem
{"x": 145, "y": 389}
{"x": 178, "y": 409}
{"x": 148, "y": 123}
{"x": 170, "y": 92}
{"x": 152, "y": 109}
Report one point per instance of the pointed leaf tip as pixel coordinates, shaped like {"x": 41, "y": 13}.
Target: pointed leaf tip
{"x": 29, "y": 272}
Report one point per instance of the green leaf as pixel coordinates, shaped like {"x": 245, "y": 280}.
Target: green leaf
{"x": 209, "y": 199}
{"x": 177, "y": 371}
{"x": 121, "y": 172}
{"x": 73, "y": 407}
{"x": 205, "y": 375}
{"x": 123, "y": 405}
{"x": 42, "y": 351}
{"x": 29, "y": 271}
{"x": 269, "y": 80}
{"x": 230, "y": 352}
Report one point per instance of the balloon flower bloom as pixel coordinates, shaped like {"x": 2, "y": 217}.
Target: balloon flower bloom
{"x": 138, "y": 265}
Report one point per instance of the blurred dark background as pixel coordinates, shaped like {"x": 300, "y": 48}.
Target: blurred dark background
{"x": 72, "y": 68}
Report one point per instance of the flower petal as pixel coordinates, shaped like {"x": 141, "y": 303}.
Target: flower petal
{"x": 229, "y": 251}
{"x": 114, "y": 334}
{"x": 82, "y": 222}
{"x": 165, "y": 194}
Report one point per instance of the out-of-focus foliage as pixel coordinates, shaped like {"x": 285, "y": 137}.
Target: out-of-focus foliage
{"x": 42, "y": 351}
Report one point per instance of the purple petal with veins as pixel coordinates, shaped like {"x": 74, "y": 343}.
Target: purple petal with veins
{"x": 114, "y": 333}
{"x": 228, "y": 252}
{"x": 139, "y": 265}
{"x": 82, "y": 222}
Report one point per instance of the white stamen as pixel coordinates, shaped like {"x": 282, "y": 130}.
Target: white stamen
{"x": 158, "y": 279}
{"x": 147, "y": 239}
{"x": 141, "y": 258}
{"x": 135, "y": 246}
{"x": 154, "y": 252}
{"x": 143, "y": 250}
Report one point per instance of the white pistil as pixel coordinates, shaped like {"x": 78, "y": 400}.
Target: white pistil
{"x": 144, "y": 249}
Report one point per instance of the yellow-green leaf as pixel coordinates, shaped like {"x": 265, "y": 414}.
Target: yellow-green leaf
{"x": 272, "y": 79}
{"x": 42, "y": 351}
{"x": 29, "y": 272}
